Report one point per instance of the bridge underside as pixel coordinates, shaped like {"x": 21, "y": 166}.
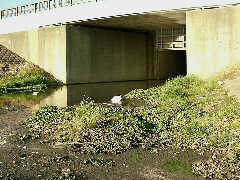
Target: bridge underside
{"x": 136, "y": 47}
{"x": 147, "y": 46}
{"x": 149, "y": 21}
{"x": 114, "y": 49}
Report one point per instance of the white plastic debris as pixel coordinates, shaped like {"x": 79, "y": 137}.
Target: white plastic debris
{"x": 220, "y": 83}
{"x": 35, "y": 93}
{"x": 116, "y": 99}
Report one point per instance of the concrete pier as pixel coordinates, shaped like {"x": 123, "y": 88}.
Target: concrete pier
{"x": 213, "y": 40}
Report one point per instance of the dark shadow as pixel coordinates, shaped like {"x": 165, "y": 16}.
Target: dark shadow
{"x": 172, "y": 63}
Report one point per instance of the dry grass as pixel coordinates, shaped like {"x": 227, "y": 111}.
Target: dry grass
{"x": 228, "y": 73}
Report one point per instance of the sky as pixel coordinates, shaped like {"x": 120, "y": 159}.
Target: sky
{"x": 11, "y": 3}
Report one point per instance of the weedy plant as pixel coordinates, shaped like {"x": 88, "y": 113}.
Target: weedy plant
{"x": 175, "y": 165}
{"x": 28, "y": 78}
{"x": 186, "y": 113}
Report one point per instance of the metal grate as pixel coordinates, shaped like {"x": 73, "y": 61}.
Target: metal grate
{"x": 173, "y": 38}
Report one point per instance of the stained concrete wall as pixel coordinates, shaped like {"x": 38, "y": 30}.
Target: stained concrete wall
{"x": 101, "y": 55}
{"x": 45, "y": 47}
{"x": 213, "y": 38}
{"x": 76, "y": 54}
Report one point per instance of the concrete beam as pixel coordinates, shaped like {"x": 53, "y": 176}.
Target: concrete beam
{"x": 106, "y": 8}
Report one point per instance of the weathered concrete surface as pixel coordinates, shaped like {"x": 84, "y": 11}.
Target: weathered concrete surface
{"x": 100, "y": 55}
{"x": 232, "y": 86}
{"x": 149, "y": 21}
{"x": 75, "y": 54}
{"x": 45, "y": 47}
{"x": 213, "y": 40}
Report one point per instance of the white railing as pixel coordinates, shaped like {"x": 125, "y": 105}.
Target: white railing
{"x": 40, "y": 6}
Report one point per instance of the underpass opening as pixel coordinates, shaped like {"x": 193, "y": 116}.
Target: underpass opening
{"x": 171, "y": 63}
{"x": 164, "y": 47}
{"x": 171, "y": 51}
{"x": 125, "y": 54}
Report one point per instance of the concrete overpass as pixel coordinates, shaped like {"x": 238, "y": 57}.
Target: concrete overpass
{"x": 82, "y": 41}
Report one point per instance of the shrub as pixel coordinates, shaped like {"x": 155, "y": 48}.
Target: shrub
{"x": 186, "y": 113}
{"x": 30, "y": 78}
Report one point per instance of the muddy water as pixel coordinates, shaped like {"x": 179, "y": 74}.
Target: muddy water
{"x": 99, "y": 92}
{"x": 74, "y": 94}
{"x": 33, "y": 160}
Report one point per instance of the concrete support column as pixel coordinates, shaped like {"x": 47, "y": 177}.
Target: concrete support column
{"x": 213, "y": 40}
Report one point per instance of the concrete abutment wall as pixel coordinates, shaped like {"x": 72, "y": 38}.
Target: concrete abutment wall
{"x": 75, "y": 54}
{"x": 213, "y": 40}
{"x": 103, "y": 55}
{"x": 45, "y": 47}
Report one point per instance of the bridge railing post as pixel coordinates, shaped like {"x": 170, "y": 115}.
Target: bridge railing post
{"x": 52, "y": 4}
{"x": 17, "y": 11}
{"x": 14, "y": 11}
{"x": 40, "y": 5}
{"x": 60, "y": 3}
{"x": 27, "y": 9}
{"x": 2, "y": 14}
{"x": 9, "y": 13}
{"x": 32, "y": 8}
{"x": 68, "y": 3}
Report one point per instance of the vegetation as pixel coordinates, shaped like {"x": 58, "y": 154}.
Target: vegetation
{"x": 29, "y": 78}
{"x": 185, "y": 113}
{"x": 228, "y": 73}
{"x": 175, "y": 165}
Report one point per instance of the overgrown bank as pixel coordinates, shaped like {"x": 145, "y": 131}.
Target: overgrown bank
{"x": 186, "y": 113}
{"x": 26, "y": 78}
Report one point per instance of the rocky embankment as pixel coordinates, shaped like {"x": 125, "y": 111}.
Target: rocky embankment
{"x": 9, "y": 61}
{"x": 18, "y": 75}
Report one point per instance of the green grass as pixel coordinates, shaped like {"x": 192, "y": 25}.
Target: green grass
{"x": 29, "y": 79}
{"x": 175, "y": 165}
{"x": 184, "y": 113}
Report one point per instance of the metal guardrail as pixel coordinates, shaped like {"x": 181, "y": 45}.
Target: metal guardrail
{"x": 40, "y": 6}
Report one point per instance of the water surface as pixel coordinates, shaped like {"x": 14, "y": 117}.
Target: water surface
{"x": 74, "y": 94}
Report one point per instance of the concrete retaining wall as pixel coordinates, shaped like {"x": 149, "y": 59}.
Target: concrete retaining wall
{"x": 100, "y": 55}
{"x": 213, "y": 38}
{"x": 45, "y": 47}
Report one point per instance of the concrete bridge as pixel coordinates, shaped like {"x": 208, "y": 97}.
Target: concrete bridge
{"x": 81, "y": 41}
